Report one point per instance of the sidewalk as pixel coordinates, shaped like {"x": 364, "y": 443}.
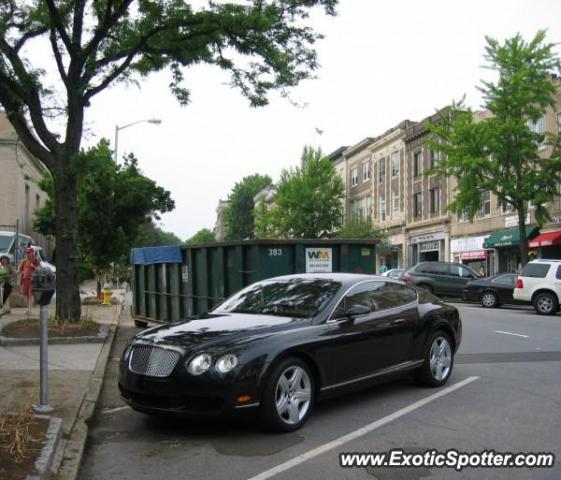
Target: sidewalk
{"x": 75, "y": 372}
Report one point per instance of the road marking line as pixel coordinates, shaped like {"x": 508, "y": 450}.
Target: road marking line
{"x": 513, "y": 334}
{"x": 113, "y": 410}
{"x": 360, "y": 432}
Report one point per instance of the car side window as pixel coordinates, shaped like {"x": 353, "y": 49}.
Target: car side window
{"x": 506, "y": 279}
{"x": 376, "y": 296}
{"x": 359, "y": 295}
{"x": 558, "y": 274}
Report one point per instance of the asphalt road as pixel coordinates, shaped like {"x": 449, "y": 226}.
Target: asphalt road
{"x": 510, "y": 401}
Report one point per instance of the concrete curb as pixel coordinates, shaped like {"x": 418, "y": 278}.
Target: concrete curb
{"x": 76, "y": 442}
{"x": 20, "y": 342}
{"x": 52, "y": 437}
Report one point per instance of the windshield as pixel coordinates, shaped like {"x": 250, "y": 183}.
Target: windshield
{"x": 5, "y": 242}
{"x": 296, "y": 297}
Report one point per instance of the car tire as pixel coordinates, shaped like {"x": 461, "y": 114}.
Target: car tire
{"x": 288, "y": 396}
{"x": 438, "y": 359}
{"x": 427, "y": 287}
{"x": 546, "y": 303}
{"x": 489, "y": 299}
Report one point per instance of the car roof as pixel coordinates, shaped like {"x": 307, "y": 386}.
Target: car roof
{"x": 344, "y": 278}
{"x": 545, "y": 260}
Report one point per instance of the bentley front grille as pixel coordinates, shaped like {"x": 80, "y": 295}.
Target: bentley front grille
{"x": 153, "y": 361}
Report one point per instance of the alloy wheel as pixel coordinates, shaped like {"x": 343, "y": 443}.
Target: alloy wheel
{"x": 440, "y": 358}
{"x": 488, "y": 299}
{"x": 293, "y": 394}
{"x": 544, "y": 303}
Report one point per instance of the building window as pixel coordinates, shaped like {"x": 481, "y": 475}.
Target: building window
{"x": 381, "y": 209}
{"x": 395, "y": 205}
{"x": 417, "y": 163}
{"x": 434, "y": 200}
{"x": 538, "y": 127}
{"x": 354, "y": 176}
{"x": 381, "y": 170}
{"x": 485, "y": 209}
{"x": 368, "y": 209}
{"x": 366, "y": 171}
{"x": 435, "y": 157}
{"x": 417, "y": 205}
{"x": 395, "y": 164}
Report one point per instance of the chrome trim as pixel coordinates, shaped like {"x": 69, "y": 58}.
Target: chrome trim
{"x": 397, "y": 282}
{"x": 386, "y": 371}
{"x": 162, "y": 372}
{"x": 249, "y": 405}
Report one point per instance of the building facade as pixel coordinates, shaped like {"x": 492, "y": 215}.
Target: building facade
{"x": 20, "y": 194}
{"x": 359, "y": 181}
{"x": 427, "y": 227}
{"x": 389, "y": 191}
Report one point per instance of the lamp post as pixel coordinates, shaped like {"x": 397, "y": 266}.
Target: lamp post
{"x": 118, "y": 128}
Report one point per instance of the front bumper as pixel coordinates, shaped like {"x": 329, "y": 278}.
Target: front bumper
{"x": 181, "y": 393}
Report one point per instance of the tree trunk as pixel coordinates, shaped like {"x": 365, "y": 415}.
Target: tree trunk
{"x": 68, "y": 305}
{"x": 523, "y": 239}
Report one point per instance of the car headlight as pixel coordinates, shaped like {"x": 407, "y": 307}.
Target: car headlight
{"x": 226, "y": 363}
{"x": 127, "y": 351}
{"x": 199, "y": 364}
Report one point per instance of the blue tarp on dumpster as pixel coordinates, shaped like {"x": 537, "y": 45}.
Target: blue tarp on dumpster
{"x": 151, "y": 255}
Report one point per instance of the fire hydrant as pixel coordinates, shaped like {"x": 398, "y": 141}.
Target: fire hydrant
{"x": 106, "y": 295}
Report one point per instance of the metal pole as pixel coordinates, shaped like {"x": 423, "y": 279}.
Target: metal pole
{"x": 43, "y": 406}
{"x": 16, "y": 246}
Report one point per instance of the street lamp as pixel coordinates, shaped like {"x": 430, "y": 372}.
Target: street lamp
{"x": 155, "y": 121}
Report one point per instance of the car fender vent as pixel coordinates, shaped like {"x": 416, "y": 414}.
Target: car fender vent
{"x": 153, "y": 361}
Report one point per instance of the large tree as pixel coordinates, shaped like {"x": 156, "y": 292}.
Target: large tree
{"x": 505, "y": 153}
{"x": 238, "y": 215}
{"x": 114, "y": 201}
{"x": 307, "y": 202}
{"x": 95, "y": 43}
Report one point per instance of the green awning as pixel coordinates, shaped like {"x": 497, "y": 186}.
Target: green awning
{"x": 510, "y": 237}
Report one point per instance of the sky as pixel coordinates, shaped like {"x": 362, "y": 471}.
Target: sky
{"x": 381, "y": 62}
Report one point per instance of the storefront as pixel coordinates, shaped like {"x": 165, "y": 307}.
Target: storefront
{"x": 426, "y": 248}
{"x": 470, "y": 251}
{"x": 548, "y": 244}
{"x": 505, "y": 246}
{"x": 390, "y": 253}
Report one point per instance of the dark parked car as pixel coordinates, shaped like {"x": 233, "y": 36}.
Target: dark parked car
{"x": 492, "y": 291}
{"x": 279, "y": 345}
{"x": 441, "y": 278}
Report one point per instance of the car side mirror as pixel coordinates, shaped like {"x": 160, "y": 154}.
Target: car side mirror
{"x": 356, "y": 311}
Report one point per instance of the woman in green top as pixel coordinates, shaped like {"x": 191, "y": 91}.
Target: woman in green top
{"x": 6, "y": 275}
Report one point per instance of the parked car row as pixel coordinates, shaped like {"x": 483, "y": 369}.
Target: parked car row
{"x": 538, "y": 284}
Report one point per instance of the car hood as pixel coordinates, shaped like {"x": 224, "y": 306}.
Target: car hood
{"x": 217, "y": 329}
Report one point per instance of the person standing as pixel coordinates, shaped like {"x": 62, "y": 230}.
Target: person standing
{"x": 26, "y": 268}
{"x": 383, "y": 268}
{"x": 6, "y": 276}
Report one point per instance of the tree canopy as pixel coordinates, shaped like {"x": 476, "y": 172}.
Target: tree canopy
{"x": 307, "y": 202}
{"x": 114, "y": 202}
{"x": 505, "y": 153}
{"x": 263, "y": 45}
{"x": 204, "y": 235}
{"x": 239, "y": 214}
{"x": 355, "y": 229}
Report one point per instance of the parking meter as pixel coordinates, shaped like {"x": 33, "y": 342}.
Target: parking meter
{"x": 43, "y": 283}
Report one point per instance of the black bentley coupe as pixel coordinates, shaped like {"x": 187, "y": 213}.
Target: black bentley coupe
{"x": 280, "y": 344}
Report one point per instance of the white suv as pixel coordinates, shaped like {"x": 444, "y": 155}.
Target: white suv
{"x": 539, "y": 283}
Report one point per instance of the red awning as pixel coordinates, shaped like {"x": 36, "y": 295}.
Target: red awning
{"x": 546, "y": 239}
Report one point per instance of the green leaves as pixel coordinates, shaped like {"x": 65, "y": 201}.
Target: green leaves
{"x": 307, "y": 202}
{"x": 503, "y": 151}
{"x": 239, "y": 214}
{"x": 204, "y": 235}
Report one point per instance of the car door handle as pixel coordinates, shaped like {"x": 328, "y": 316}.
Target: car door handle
{"x": 398, "y": 321}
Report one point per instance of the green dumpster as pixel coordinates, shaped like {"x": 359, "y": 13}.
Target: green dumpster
{"x": 174, "y": 283}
